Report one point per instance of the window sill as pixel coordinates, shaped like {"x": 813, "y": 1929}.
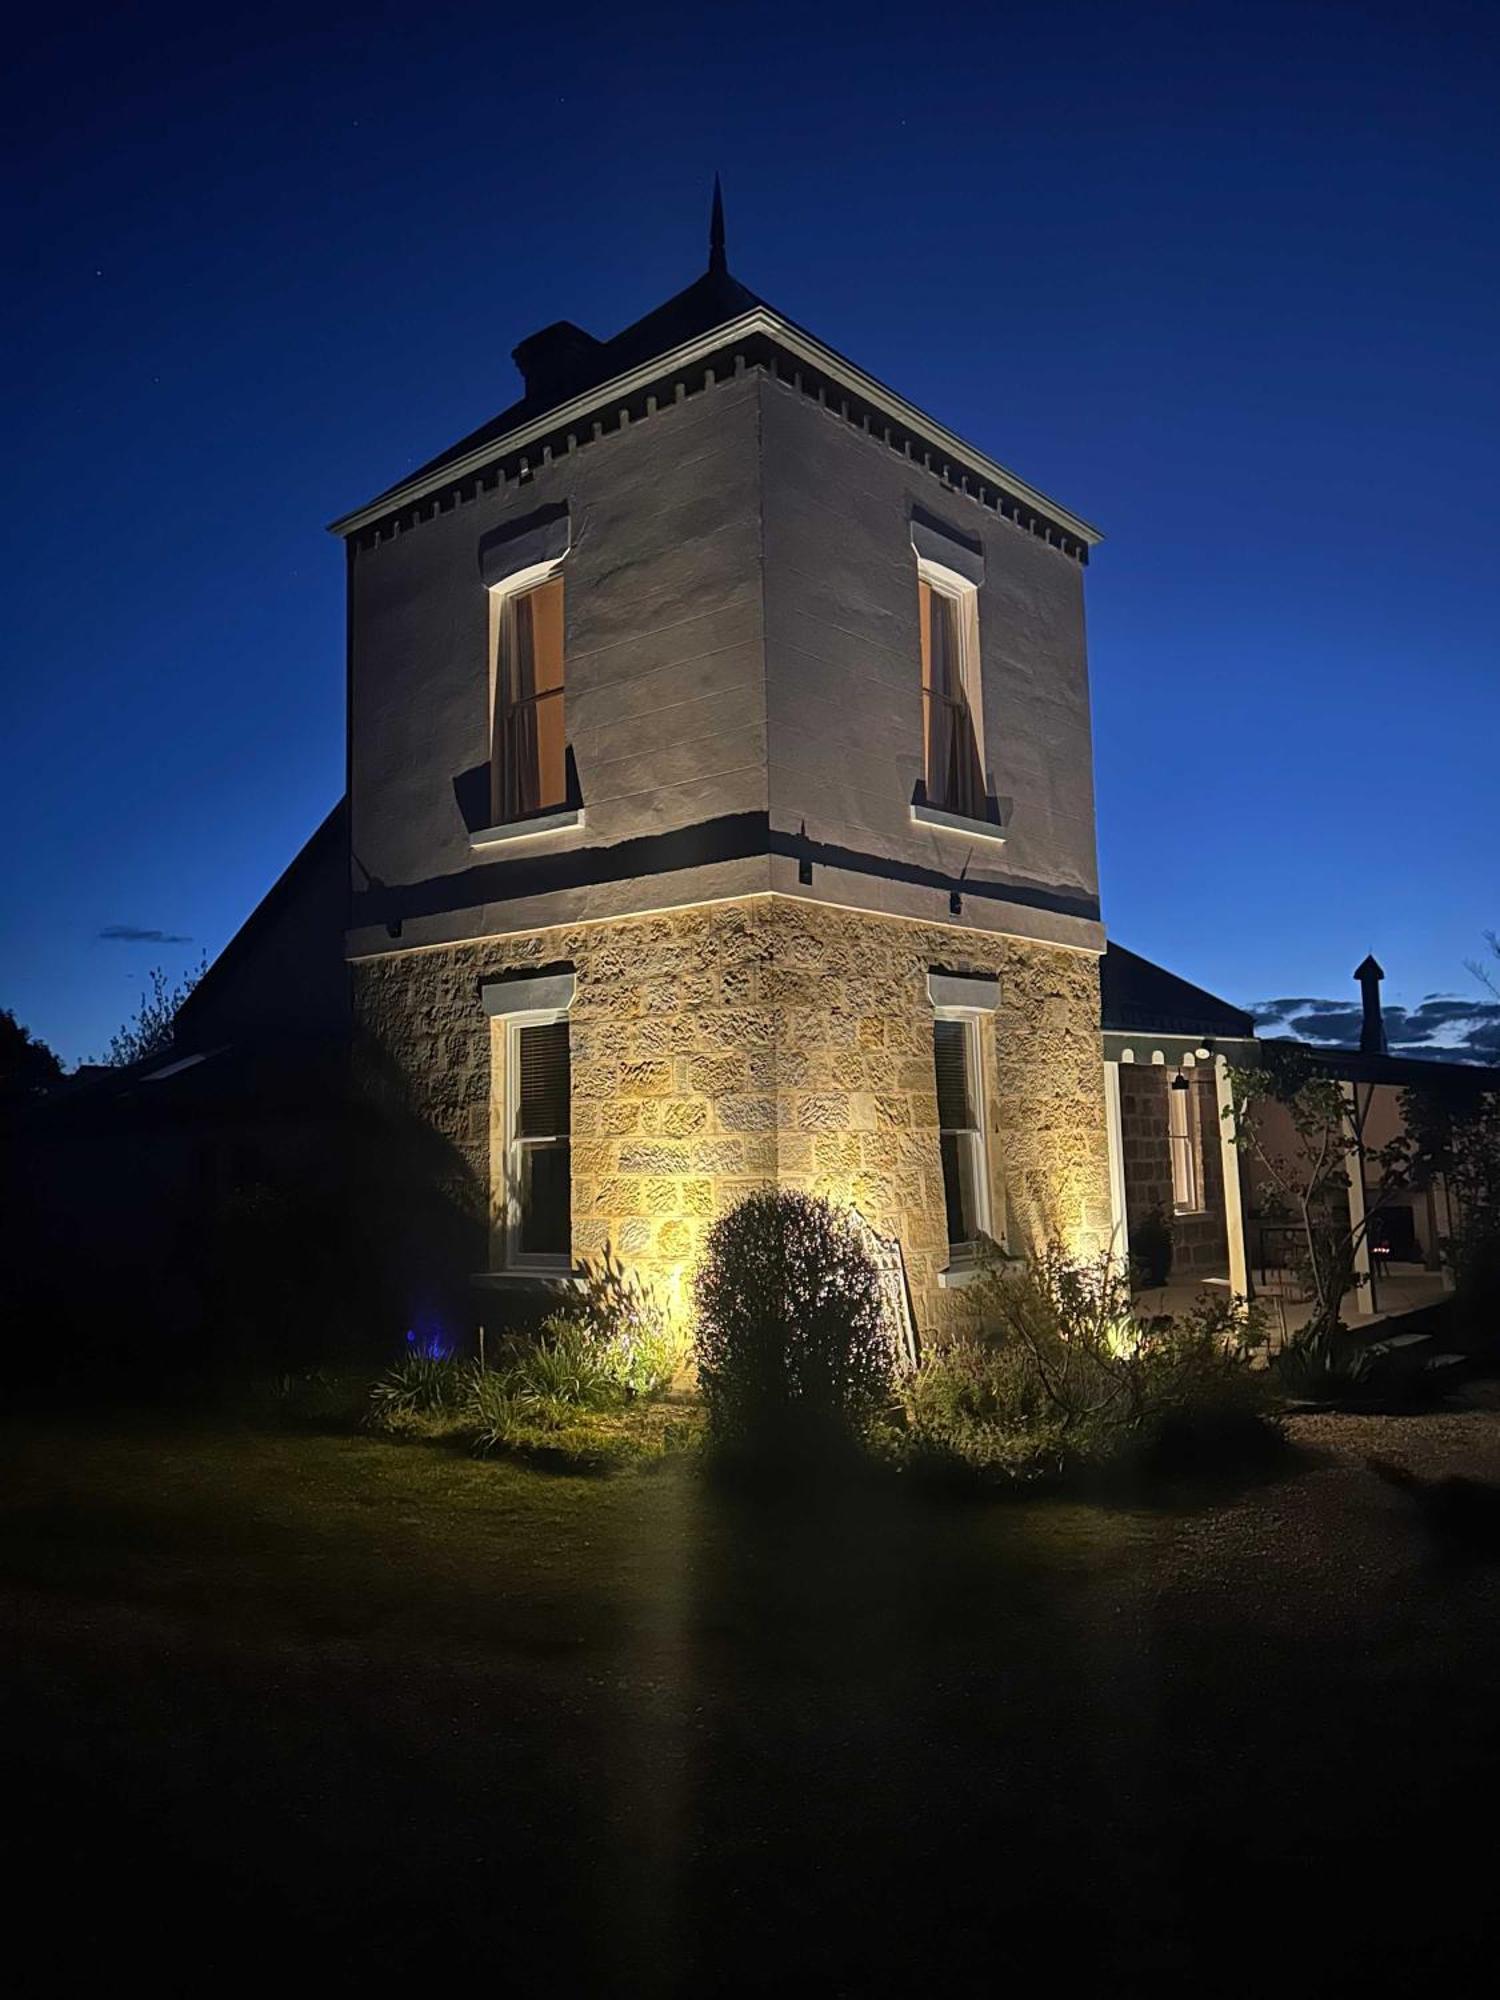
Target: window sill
{"x": 979, "y": 829}
{"x": 958, "y": 1275}
{"x": 528, "y": 829}
{"x": 500, "y": 1281}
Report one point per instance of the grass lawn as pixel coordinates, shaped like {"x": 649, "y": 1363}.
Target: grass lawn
{"x": 288, "y": 1706}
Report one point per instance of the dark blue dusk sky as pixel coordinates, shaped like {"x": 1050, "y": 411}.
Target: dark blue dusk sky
{"x": 1220, "y": 278}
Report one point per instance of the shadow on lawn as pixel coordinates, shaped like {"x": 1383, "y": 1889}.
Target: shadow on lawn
{"x": 366, "y": 1710}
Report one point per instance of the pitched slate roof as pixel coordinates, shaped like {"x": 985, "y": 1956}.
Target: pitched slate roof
{"x": 1134, "y": 994}
{"x": 567, "y": 370}
{"x": 709, "y": 301}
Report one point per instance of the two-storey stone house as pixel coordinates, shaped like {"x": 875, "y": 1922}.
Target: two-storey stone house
{"x": 720, "y": 808}
{"x": 719, "y": 816}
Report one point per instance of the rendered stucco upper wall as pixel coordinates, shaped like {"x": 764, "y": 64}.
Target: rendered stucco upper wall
{"x": 743, "y": 697}
{"x": 844, "y": 703}
{"x": 665, "y": 703}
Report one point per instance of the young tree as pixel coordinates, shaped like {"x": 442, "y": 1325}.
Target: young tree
{"x": 1483, "y": 973}
{"x": 148, "y": 1032}
{"x": 26, "y": 1064}
{"x": 1311, "y": 1172}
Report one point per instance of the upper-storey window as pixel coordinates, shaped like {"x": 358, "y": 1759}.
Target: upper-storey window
{"x": 952, "y": 725}
{"x": 529, "y": 764}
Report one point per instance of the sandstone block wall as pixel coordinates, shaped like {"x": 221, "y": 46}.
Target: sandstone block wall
{"x": 1199, "y": 1241}
{"x": 743, "y": 1045}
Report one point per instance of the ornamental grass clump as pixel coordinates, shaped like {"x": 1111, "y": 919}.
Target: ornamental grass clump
{"x": 793, "y": 1350}
{"x": 579, "y": 1389}
{"x": 424, "y": 1390}
{"x": 643, "y": 1345}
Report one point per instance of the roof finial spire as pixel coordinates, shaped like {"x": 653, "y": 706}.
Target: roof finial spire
{"x": 716, "y": 258}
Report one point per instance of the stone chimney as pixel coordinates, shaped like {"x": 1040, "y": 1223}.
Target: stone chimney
{"x": 555, "y": 361}
{"x": 1372, "y": 1029}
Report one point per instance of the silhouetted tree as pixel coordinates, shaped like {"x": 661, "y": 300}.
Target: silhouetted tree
{"x": 1483, "y": 973}
{"x": 26, "y": 1064}
{"x": 148, "y": 1032}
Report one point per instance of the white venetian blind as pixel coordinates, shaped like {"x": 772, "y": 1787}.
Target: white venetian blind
{"x": 960, "y": 1142}
{"x": 950, "y": 1046}
{"x": 542, "y": 1103}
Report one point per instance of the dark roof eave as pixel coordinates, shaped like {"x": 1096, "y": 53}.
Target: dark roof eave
{"x": 1359, "y": 1066}
{"x": 524, "y": 424}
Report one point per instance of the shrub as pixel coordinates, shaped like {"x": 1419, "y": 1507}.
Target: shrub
{"x": 793, "y": 1349}
{"x": 1325, "y": 1364}
{"x": 1151, "y": 1251}
{"x": 1060, "y": 1372}
{"x": 976, "y": 1407}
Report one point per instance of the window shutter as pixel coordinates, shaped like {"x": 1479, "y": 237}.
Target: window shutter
{"x": 543, "y": 1100}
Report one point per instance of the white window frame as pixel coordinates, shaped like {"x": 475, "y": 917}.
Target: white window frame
{"x": 515, "y": 1258}
{"x": 972, "y": 1019}
{"x": 503, "y": 596}
{"x": 1183, "y": 1144}
{"x": 965, "y": 593}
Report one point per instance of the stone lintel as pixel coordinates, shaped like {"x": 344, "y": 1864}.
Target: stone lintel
{"x": 953, "y": 989}
{"x": 549, "y": 993}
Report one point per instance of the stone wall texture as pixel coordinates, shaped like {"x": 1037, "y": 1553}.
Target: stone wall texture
{"x": 1199, "y": 1241}
{"x": 747, "y": 1044}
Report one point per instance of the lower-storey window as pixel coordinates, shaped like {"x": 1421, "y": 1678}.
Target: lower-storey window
{"x": 1182, "y": 1135}
{"x": 960, "y": 1095}
{"x": 538, "y": 1125}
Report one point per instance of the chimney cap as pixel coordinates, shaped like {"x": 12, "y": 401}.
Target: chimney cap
{"x": 1370, "y": 968}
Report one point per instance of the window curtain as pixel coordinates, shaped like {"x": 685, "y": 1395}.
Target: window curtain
{"x": 955, "y": 772}
{"x": 534, "y": 750}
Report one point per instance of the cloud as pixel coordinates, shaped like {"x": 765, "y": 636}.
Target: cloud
{"x": 1435, "y": 1012}
{"x": 134, "y": 934}
{"x": 1443, "y": 1028}
{"x": 1280, "y": 1010}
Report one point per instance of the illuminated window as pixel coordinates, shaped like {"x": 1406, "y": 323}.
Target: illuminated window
{"x": 1182, "y": 1132}
{"x": 538, "y": 1128}
{"x": 952, "y": 727}
{"x": 960, "y": 1096}
{"x": 529, "y": 765}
